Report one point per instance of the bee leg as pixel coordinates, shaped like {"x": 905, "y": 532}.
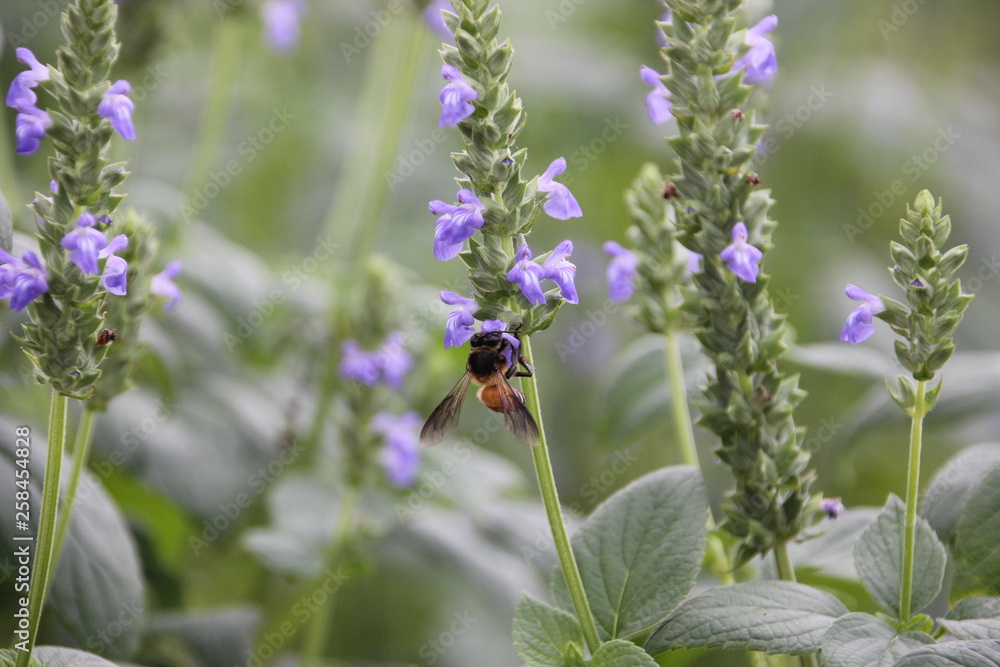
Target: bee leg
{"x": 526, "y": 373}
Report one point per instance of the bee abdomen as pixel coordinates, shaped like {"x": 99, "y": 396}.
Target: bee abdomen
{"x": 490, "y": 396}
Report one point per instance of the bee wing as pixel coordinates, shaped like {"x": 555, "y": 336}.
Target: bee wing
{"x": 519, "y": 421}
{"x": 444, "y": 419}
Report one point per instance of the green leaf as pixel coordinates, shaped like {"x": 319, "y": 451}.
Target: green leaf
{"x": 862, "y": 640}
{"x": 974, "y": 618}
{"x": 641, "y": 550}
{"x": 953, "y": 485}
{"x": 878, "y": 557}
{"x": 770, "y": 616}
{"x": 219, "y": 638}
{"x": 57, "y": 656}
{"x": 621, "y": 653}
{"x": 982, "y": 653}
{"x": 977, "y": 541}
{"x": 541, "y": 633}
{"x": 97, "y": 586}
{"x": 6, "y": 226}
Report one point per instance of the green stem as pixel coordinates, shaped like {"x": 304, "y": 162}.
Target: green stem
{"x": 225, "y": 65}
{"x": 912, "y": 489}
{"x": 81, "y": 453}
{"x": 786, "y": 572}
{"x": 550, "y": 498}
{"x": 46, "y": 522}
{"x": 316, "y": 633}
{"x": 682, "y": 417}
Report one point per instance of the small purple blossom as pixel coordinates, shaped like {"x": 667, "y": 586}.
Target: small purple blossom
{"x": 859, "y": 325}
{"x": 29, "y": 129}
{"x": 432, "y": 17}
{"x": 461, "y": 322}
{"x": 20, "y": 96}
{"x": 282, "y": 19}
{"x": 562, "y": 272}
{"x": 661, "y": 39}
{"x": 560, "y": 203}
{"x": 456, "y": 97}
{"x": 357, "y": 364}
{"x": 658, "y": 100}
{"x": 401, "y": 455}
{"x": 456, "y": 224}
{"x": 621, "y": 271}
{"x": 22, "y": 280}
{"x": 84, "y": 243}
{"x": 741, "y": 257}
{"x": 693, "y": 262}
{"x": 393, "y": 360}
{"x": 117, "y": 107}
{"x": 163, "y": 285}
{"x": 115, "y": 273}
{"x": 832, "y": 506}
{"x": 527, "y": 275}
{"x": 760, "y": 61}
{"x": 512, "y": 340}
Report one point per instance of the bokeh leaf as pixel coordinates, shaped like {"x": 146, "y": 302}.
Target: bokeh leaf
{"x": 974, "y": 618}
{"x": 769, "y": 616}
{"x": 641, "y": 550}
{"x": 862, "y": 640}
{"x": 541, "y": 633}
{"x": 57, "y": 656}
{"x": 878, "y": 557}
{"x": 953, "y": 486}
{"x": 977, "y": 541}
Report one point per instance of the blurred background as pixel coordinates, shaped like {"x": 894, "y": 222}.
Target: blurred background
{"x": 266, "y": 173}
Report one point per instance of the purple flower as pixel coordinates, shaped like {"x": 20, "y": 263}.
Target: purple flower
{"x": 281, "y": 20}
{"x": 527, "y": 275}
{"x": 560, "y": 204}
{"x": 661, "y": 39}
{"x": 163, "y": 285}
{"x": 621, "y": 271}
{"x": 22, "y": 280}
{"x": 20, "y": 96}
{"x": 461, "y": 322}
{"x": 513, "y": 342}
{"x": 693, "y": 262}
{"x": 393, "y": 361}
{"x": 759, "y": 62}
{"x": 118, "y": 108}
{"x": 29, "y": 129}
{"x": 401, "y": 455}
{"x": 562, "y": 272}
{"x": 84, "y": 243}
{"x": 832, "y": 506}
{"x": 859, "y": 325}
{"x": 456, "y": 97}
{"x": 115, "y": 269}
{"x": 456, "y": 224}
{"x": 658, "y": 100}
{"x": 741, "y": 257}
{"x": 433, "y": 19}
{"x": 357, "y": 364}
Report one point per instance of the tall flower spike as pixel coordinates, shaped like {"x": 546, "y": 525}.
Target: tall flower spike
{"x": 456, "y": 97}
{"x": 84, "y": 243}
{"x": 461, "y": 322}
{"x": 760, "y": 61}
{"x": 117, "y": 107}
{"x": 621, "y": 271}
{"x": 562, "y": 272}
{"x": 859, "y": 327}
{"x": 456, "y": 224}
{"x": 741, "y": 257}
{"x": 163, "y": 285}
{"x": 282, "y": 24}
{"x": 22, "y": 280}
{"x": 658, "y": 100}
{"x": 527, "y": 275}
{"x": 560, "y": 203}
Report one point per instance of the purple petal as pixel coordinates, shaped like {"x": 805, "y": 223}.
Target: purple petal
{"x": 115, "y": 275}
{"x": 621, "y": 271}
{"x": 117, "y": 107}
{"x": 163, "y": 285}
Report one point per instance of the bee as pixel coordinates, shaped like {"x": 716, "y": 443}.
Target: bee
{"x": 487, "y": 367}
{"x": 106, "y": 337}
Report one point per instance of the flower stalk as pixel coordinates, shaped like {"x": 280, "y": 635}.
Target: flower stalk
{"x": 912, "y": 494}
